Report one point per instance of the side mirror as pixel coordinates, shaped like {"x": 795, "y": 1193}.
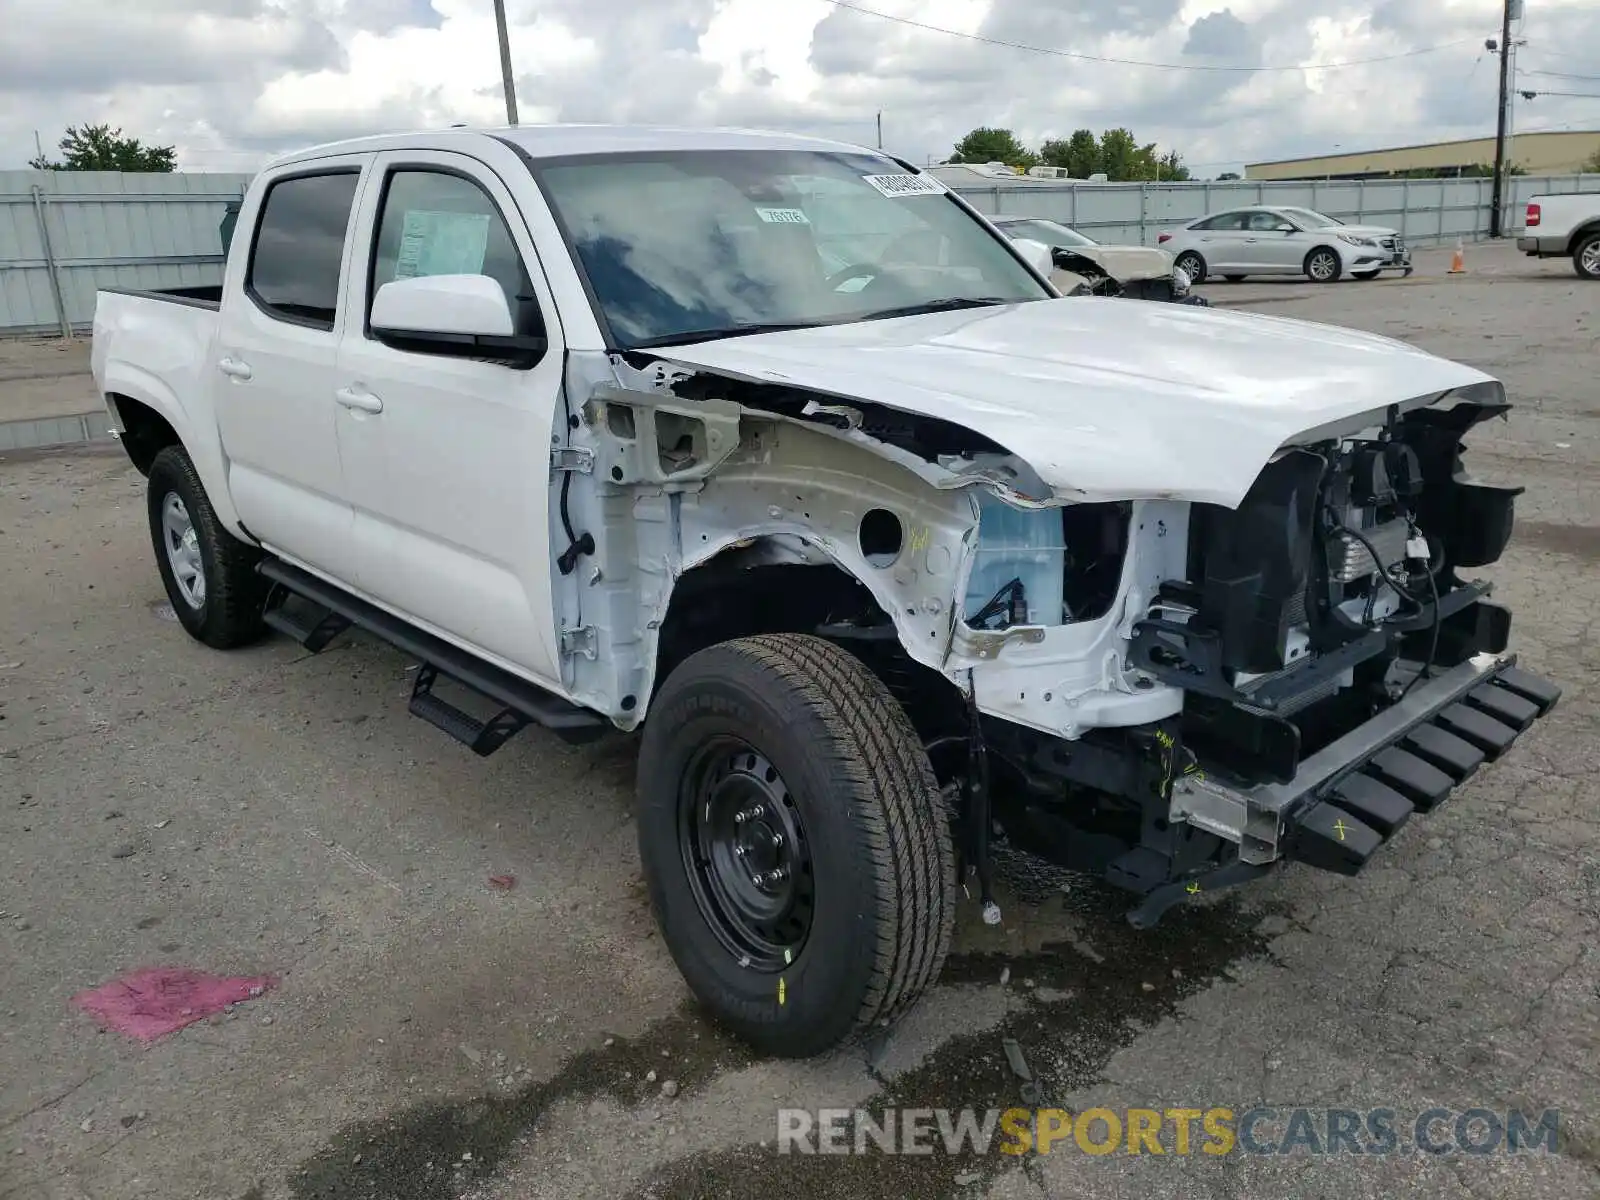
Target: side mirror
{"x": 451, "y": 305}
{"x": 1285, "y": 228}
{"x": 1039, "y": 256}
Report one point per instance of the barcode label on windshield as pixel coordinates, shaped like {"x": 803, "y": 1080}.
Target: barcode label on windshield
{"x": 905, "y": 185}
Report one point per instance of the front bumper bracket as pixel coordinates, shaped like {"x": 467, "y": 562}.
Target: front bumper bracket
{"x": 1349, "y": 798}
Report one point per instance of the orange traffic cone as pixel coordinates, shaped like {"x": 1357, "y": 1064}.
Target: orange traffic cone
{"x": 1458, "y": 260}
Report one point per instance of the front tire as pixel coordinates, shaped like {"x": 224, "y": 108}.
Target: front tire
{"x": 797, "y": 853}
{"x": 1323, "y": 265}
{"x": 1234, "y": 278}
{"x": 1586, "y": 257}
{"x": 209, "y": 574}
{"x": 1363, "y": 275}
{"x": 1192, "y": 265}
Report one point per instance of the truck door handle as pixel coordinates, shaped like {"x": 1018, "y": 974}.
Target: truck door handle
{"x": 357, "y": 398}
{"x": 234, "y": 369}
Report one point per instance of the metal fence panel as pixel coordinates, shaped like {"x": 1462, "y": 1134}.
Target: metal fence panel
{"x": 69, "y": 233}
{"x": 64, "y": 234}
{"x": 1426, "y": 211}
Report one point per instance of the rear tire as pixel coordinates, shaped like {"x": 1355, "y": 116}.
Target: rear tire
{"x": 209, "y": 574}
{"x": 1234, "y": 278}
{"x": 785, "y": 753}
{"x": 1192, "y": 265}
{"x": 1586, "y": 256}
{"x": 1323, "y": 265}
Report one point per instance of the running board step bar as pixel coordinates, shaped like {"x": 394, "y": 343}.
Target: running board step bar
{"x": 1348, "y": 823}
{"x": 333, "y": 610}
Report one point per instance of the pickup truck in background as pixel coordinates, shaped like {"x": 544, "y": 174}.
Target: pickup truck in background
{"x": 1565, "y": 226}
{"x": 776, "y": 450}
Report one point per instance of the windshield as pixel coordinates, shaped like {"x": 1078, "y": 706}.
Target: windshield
{"x": 684, "y": 245}
{"x": 1313, "y": 220}
{"x": 1048, "y": 232}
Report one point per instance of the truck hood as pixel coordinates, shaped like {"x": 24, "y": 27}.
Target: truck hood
{"x": 1104, "y": 399}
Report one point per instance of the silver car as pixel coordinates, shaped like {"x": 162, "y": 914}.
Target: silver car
{"x": 1283, "y": 240}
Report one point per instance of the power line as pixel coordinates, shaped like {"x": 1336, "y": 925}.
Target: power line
{"x": 1135, "y": 62}
{"x": 1538, "y": 49}
{"x": 1573, "y": 95}
{"x": 1563, "y": 75}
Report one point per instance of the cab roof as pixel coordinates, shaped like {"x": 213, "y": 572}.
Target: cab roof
{"x": 556, "y": 141}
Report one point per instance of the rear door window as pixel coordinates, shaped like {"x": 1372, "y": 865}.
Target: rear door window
{"x": 299, "y": 247}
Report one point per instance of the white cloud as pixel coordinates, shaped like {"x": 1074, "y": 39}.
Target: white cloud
{"x": 231, "y": 81}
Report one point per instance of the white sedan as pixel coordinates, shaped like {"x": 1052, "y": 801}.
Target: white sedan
{"x": 1268, "y": 240}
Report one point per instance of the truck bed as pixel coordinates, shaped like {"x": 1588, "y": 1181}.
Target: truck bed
{"x": 205, "y": 296}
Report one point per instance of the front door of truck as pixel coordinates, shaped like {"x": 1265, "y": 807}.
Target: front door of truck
{"x": 446, "y": 457}
{"x": 277, "y": 342}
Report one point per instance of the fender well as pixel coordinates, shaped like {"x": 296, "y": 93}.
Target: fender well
{"x": 145, "y": 432}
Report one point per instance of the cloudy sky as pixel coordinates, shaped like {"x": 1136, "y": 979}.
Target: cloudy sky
{"x": 229, "y": 82}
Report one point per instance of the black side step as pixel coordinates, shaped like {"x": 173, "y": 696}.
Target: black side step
{"x": 484, "y": 737}
{"x": 314, "y": 629}
{"x": 521, "y": 702}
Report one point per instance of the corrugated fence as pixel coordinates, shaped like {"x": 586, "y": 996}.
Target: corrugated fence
{"x": 1425, "y": 211}
{"x": 65, "y": 234}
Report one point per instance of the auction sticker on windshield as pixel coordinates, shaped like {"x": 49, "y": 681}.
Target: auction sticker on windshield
{"x": 905, "y": 185}
{"x": 783, "y": 216}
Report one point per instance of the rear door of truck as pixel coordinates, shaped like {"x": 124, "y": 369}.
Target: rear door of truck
{"x": 276, "y": 348}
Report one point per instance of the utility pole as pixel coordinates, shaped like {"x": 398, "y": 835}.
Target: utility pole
{"x": 505, "y": 61}
{"x": 1497, "y": 201}
{"x": 880, "y": 131}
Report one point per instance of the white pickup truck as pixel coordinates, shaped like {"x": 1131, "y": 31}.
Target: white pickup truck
{"x": 775, "y": 449}
{"x": 1565, "y": 226}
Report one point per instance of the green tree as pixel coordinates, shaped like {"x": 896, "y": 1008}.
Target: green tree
{"x": 101, "y": 148}
{"x": 1171, "y": 166}
{"x": 1120, "y": 155}
{"x": 986, "y": 145}
{"x": 1079, "y": 154}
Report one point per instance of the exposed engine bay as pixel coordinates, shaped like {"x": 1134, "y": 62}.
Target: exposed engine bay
{"x": 1163, "y": 690}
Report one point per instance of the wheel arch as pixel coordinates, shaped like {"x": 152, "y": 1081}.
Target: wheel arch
{"x": 150, "y": 417}
{"x": 1581, "y": 233}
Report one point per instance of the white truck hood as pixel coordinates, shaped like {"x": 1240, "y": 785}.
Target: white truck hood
{"x": 1104, "y": 399}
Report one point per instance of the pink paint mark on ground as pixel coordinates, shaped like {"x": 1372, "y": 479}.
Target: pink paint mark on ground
{"x": 154, "y": 1001}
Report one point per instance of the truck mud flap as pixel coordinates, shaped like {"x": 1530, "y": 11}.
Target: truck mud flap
{"x": 1351, "y": 819}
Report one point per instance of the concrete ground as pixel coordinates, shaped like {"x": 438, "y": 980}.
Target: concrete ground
{"x": 433, "y": 1036}
{"x": 45, "y": 377}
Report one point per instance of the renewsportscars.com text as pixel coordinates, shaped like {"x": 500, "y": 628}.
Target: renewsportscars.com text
{"x": 1176, "y": 1131}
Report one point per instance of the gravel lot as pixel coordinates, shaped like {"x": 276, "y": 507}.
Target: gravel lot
{"x": 434, "y": 1036}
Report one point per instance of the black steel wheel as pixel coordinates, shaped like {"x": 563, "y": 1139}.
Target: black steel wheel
{"x": 794, "y": 842}
{"x": 745, "y": 854}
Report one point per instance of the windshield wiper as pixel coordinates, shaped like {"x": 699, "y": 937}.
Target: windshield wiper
{"x": 689, "y": 337}
{"x": 946, "y": 304}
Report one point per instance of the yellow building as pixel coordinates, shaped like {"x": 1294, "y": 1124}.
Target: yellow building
{"x": 1536, "y": 153}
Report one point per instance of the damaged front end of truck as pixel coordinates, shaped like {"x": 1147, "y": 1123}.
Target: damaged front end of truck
{"x": 1173, "y": 681}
